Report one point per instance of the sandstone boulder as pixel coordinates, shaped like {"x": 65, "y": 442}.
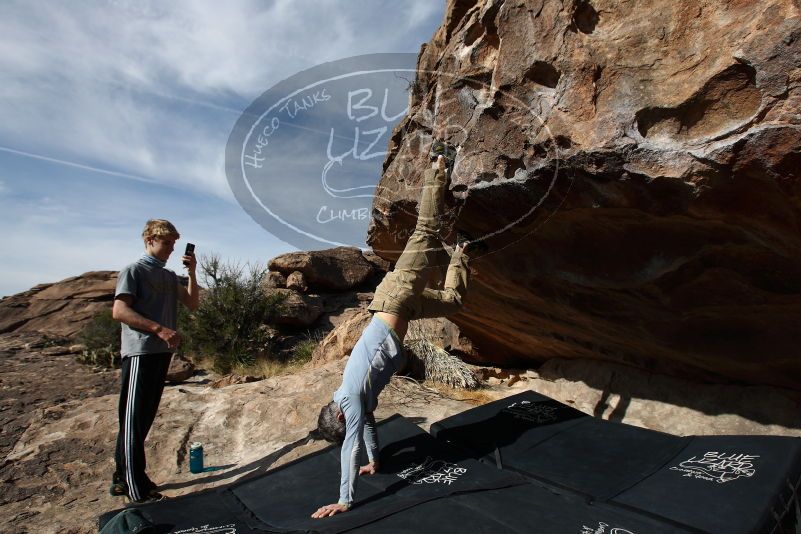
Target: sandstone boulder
{"x": 298, "y": 309}
{"x": 341, "y": 340}
{"x": 338, "y": 268}
{"x": 274, "y": 279}
{"x": 180, "y": 369}
{"x": 636, "y": 171}
{"x": 378, "y": 262}
{"x": 60, "y": 309}
{"x": 296, "y": 281}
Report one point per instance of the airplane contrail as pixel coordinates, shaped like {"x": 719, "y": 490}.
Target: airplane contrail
{"x": 78, "y": 165}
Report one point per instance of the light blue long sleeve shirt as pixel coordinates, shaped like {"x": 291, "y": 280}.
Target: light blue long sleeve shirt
{"x": 376, "y": 357}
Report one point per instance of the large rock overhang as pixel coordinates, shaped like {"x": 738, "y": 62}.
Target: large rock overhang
{"x": 636, "y": 168}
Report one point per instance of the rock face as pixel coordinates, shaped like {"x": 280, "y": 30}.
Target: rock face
{"x": 296, "y": 281}
{"x": 33, "y": 383}
{"x": 338, "y": 268}
{"x": 60, "y": 309}
{"x": 275, "y": 279}
{"x": 341, "y": 340}
{"x": 297, "y": 309}
{"x": 323, "y": 286}
{"x": 636, "y": 171}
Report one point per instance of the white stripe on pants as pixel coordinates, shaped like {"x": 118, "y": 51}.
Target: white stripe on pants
{"x": 128, "y": 430}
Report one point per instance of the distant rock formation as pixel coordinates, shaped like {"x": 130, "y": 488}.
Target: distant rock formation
{"x": 636, "y": 170}
{"x": 318, "y": 286}
{"x": 339, "y": 268}
{"x": 60, "y": 309}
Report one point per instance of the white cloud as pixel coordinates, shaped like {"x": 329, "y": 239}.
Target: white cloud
{"x": 152, "y": 89}
{"x": 149, "y": 91}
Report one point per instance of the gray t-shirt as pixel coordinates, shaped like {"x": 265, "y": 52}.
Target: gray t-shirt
{"x": 155, "y": 296}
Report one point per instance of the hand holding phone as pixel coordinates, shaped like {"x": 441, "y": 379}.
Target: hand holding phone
{"x": 190, "y": 251}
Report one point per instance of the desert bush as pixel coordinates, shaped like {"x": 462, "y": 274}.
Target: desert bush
{"x": 228, "y": 325}
{"x": 101, "y": 336}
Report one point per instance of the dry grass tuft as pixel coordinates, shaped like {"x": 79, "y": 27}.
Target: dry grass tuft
{"x": 441, "y": 367}
{"x": 433, "y": 363}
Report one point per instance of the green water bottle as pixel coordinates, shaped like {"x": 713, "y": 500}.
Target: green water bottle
{"x": 196, "y": 457}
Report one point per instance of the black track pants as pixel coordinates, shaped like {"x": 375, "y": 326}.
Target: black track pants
{"x": 140, "y": 393}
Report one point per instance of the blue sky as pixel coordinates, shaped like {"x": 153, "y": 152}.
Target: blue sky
{"x": 113, "y": 112}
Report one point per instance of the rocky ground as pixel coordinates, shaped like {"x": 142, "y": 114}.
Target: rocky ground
{"x": 36, "y": 382}
{"x": 59, "y": 422}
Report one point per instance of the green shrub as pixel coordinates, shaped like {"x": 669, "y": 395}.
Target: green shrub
{"x": 101, "y": 335}
{"x": 228, "y": 325}
{"x": 303, "y": 350}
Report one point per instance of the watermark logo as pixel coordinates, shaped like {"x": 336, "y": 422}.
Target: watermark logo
{"x": 304, "y": 160}
{"x": 604, "y": 528}
{"x": 719, "y": 467}
{"x": 532, "y": 412}
{"x": 206, "y": 529}
{"x": 433, "y": 472}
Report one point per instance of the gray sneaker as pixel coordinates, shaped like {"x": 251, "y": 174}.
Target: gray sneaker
{"x": 152, "y": 496}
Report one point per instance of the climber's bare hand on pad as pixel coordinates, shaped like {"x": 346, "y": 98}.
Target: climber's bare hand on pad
{"x": 329, "y": 510}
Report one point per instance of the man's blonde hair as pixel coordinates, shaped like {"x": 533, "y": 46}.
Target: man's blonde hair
{"x": 159, "y": 228}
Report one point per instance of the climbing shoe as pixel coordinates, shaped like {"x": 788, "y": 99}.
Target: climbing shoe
{"x": 448, "y": 152}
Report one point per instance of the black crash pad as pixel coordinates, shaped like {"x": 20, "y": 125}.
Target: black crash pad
{"x": 552, "y": 442}
{"x": 561, "y": 471}
{"x": 726, "y": 484}
{"x": 206, "y": 511}
{"x": 532, "y": 508}
{"x": 415, "y": 468}
{"x": 729, "y": 484}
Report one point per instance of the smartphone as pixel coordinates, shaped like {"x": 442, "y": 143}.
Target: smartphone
{"x": 190, "y": 250}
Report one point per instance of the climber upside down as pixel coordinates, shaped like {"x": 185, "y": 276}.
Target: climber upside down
{"x": 378, "y": 354}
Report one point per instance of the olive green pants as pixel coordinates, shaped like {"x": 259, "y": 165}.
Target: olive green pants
{"x": 403, "y": 291}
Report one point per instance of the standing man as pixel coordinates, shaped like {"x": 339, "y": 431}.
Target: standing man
{"x": 401, "y": 297}
{"x": 146, "y": 303}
